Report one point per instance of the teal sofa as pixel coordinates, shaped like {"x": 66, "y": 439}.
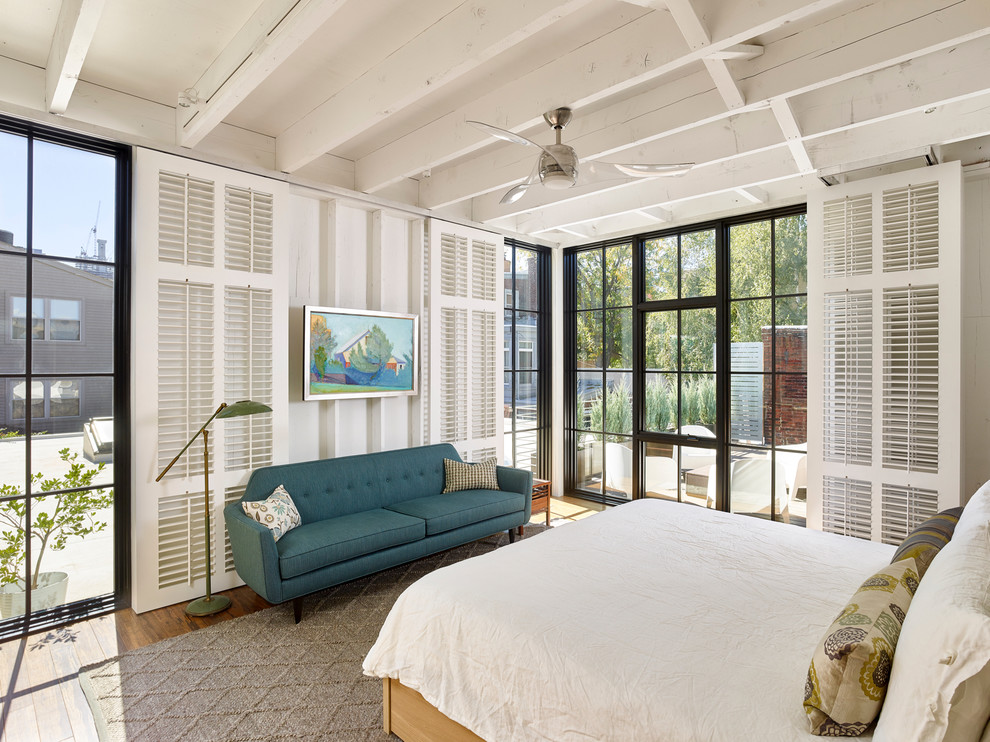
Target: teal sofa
{"x": 362, "y": 514}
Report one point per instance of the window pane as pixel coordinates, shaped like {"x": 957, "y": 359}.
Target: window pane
{"x": 661, "y": 341}
{"x": 13, "y": 311}
{"x": 507, "y": 277}
{"x": 589, "y": 401}
{"x": 661, "y": 475}
{"x": 661, "y": 402}
{"x": 750, "y": 320}
{"x": 698, "y": 340}
{"x": 618, "y": 467}
{"x": 526, "y": 455}
{"x": 698, "y": 263}
{"x": 526, "y": 399}
{"x": 12, "y": 456}
{"x": 19, "y": 401}
{"x": 618, "y": 405}
{"x": 791, "y": 423}
{"x": 792, "y": 334}
{"x": 589, "y": 340}
{"x": 589, "y": 279}
{"x": 698, "y": 400}
{"x": 64, "y": 398}
{"x": 749, "y": 407}
{"x": 507, "y": 340}
{"x": 507, "y": 407}
{"x": 755, "y": 481}
{"x": 660, "y": 257}
{"x": 74, "y": 197}
{"x": 526, "y": 346}
{"x": 618, "y": 337}
{"x": 791, "y": 253}
{"x": 80, "y": 306}
{"x": 589, "y": 462}
{"x": 749, "y": 259}
{"x": 527, "y": 279}
{"x": 13, "y": 191}
{"x": 618, "y": 276}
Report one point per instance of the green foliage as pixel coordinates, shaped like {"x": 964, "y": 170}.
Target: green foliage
{"x": 322, "y": 345}
{"x": 56, "y": 517}
{"x": 613, "y": 410}
{"x": 320, "y": 360}
{"x": 371, "y": 355}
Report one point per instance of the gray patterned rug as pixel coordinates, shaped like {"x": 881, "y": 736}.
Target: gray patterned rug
{"x": 262, "y": 677}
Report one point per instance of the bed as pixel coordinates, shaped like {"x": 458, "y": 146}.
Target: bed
{"x": 652, "y": 620}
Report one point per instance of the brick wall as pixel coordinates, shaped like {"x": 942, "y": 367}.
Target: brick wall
{"x": 792, "y": 390}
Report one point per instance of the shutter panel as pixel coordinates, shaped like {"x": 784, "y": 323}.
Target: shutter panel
{"x": 848, "y": 391}
{"x": 185, "y": 219}
{"x": 185, "y": 372}
{"x": 208, "y": 337}
{"x": 885, "y": 317}
{"x": 847, "y": 506}
{"x": 463, "y": 359}
{"x": 903, "y": 510}
{"x": 248, "y": 374}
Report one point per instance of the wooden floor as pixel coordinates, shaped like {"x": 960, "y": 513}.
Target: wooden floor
{"x": 39, "y": 676}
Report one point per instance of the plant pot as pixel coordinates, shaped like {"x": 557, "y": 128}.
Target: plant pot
{"x": 49, "y": 593}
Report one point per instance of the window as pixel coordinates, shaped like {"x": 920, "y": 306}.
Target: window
{"x": 62, "y": 372}
{"x": 527, "y": 370}
{"x": 51, "y": 319}
{"x": 655, "y": 409}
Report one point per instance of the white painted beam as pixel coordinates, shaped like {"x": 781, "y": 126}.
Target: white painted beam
{"x": 753, "y": 194}
{"x": 698, "y": 38}
{"x": 656, "y": 214}
{"x": 788, "y": 125}
{"x": 77, "y": 22}
{"x": 272, "y": 33}
{"x": 456, "y": 44}
{"x": 606, "y": 68}
{"x": 738, "y": 51}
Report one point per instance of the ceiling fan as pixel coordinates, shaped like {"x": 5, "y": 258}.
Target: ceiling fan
{"x": 557, "y": 166}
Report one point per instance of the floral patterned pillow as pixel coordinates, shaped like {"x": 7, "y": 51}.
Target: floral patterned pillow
{"x": 278, "y": 512}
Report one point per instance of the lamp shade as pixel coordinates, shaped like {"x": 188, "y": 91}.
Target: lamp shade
{"x": 244, "y": 407}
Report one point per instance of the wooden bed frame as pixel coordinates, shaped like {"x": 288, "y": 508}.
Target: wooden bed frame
{"x": 412, "y": 718}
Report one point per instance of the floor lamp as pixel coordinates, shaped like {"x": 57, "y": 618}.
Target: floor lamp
{"x": 210, "y": 604}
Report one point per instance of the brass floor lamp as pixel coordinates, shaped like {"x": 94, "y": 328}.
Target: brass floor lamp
{"x": 210, "y": 604}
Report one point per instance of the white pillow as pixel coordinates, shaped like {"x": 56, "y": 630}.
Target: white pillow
{"x": 940, "y": 683}
{"x": 278, "y": 513}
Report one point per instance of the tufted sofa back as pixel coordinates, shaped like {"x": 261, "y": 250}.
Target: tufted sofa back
{"x": 331, "y": 487}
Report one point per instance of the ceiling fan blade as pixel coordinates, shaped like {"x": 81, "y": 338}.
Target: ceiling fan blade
{"x": 646, "y": 170}
{"x": 518, "y": 191}
{"x": 511, "y": 136}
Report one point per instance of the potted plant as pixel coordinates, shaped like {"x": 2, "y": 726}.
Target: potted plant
{"x": 55, "y": 519}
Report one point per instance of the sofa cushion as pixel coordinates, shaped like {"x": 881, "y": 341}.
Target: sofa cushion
{"x": 325, "y": 542}
{"x": 446, "y": 512}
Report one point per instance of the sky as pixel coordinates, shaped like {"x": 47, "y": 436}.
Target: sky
{"x": 345, "y": 327}
{"x": 70, "y": 186}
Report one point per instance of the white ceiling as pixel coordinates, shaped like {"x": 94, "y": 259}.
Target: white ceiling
{"x": 764, "y": 95}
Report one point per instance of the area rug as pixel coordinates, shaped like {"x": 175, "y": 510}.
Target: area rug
{"x": 262, "y": 677}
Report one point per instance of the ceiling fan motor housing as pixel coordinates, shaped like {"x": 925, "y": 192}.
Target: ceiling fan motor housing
{"x": 561, "y": 172}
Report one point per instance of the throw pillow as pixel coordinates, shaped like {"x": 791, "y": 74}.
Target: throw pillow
{"x": 278, "y": 512}
{"x": 458, "y": 475}
{"x": 925, "y": 541}
{"x": 848, "y": 676}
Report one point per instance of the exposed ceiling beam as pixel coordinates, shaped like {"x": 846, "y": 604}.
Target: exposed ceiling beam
{"x": 697, "y": 36}
{"x": 454, "y": 45}
{"x": 606, "y": 69}
{"x": 739, "y": 51}
{"x": 792, "y": 134}
{"x": 656, "y": 214}
{"x": 272, "y": 33}
{"x": 77, "y": 22}
{"x": 754, "y": 194}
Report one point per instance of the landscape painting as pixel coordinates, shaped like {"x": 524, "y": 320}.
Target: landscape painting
{"x": 351, "y": 353}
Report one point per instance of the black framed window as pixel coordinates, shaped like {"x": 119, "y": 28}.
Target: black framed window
{"x": 64, "y": 365}
{"x": 658, "y": 411}
{"x": 526, "y": 337}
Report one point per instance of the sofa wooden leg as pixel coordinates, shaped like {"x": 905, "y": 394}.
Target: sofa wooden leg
{"x": 512, "y": 535}
{"x": 297, "y": 609}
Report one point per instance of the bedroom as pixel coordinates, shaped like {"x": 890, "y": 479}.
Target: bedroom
{"x": 357, "y": 113}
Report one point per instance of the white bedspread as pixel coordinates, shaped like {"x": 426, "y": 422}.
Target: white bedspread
{"x": 650, "y": 621}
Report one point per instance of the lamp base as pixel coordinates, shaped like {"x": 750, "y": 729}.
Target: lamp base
{"x": 208, "y": 606}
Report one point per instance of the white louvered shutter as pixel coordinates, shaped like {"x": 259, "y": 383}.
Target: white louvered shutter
{"x": 884, "y": 405}
{"x": 462, "y": 340}
{"x": 208, "y": 328}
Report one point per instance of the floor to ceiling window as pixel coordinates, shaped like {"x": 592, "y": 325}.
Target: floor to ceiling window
{"x": 527, "y": 357}
{"x": 653, "y": 408}
{"x": 63, "y": 376}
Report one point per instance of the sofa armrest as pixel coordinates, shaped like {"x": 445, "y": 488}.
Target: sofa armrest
{"x": 255, "y": 554}
{"x": 517, "y": 480}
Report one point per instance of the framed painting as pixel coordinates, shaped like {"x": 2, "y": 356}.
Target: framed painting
{"x": 357, "y": 353}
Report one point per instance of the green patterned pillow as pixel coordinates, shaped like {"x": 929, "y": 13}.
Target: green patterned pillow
{"x": 278, "y": 513}
{"x": 925, "y": 541}
{"x": 848, "y": 676}
{"x": 459, "y": 476}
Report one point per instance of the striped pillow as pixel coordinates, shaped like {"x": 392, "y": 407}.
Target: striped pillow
{"x": 460, "y": 476}
{"x": 925, "y": 541}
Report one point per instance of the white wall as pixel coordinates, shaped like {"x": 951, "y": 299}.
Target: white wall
{"x": 344, "y": 254}
{"x": 976, "y": 329}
